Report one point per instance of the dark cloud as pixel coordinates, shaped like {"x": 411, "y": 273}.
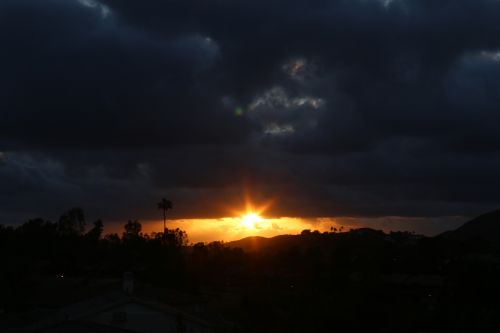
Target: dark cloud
{"x": 79, "y": 75}
{"x": 352, "y": 108}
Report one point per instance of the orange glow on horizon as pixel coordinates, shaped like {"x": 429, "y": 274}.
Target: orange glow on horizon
{"x": 233, "y": 228}
{"x": 245, "y": 222}
{"x": 249, "y": 220}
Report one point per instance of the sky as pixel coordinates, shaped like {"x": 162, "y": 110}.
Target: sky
{"x": 359, "y": 110}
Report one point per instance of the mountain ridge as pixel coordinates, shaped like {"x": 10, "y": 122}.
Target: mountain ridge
{"x": 485, "y": 227}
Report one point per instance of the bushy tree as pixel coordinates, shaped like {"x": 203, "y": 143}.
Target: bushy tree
{"x": 132, "y": 230}
{"x": 72, "y": 222}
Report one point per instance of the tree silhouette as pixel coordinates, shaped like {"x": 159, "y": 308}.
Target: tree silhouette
{"x": 72, "y": 222}
{"x": 95, "y": 233}
{"x": 132, "y": 230}
{"x": 165, "y": 205}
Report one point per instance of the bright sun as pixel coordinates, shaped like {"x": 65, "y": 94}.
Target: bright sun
{"x": 250, "y": 220}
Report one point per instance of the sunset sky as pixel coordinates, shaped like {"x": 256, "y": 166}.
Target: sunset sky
{"x": 379, "y": 113}
{"x": 233, "y": 228}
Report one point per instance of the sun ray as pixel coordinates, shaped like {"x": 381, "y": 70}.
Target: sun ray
{"x": 250, "y": 220}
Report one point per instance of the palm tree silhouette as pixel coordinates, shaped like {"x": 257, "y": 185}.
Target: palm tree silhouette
{"x": 165, "y": 205}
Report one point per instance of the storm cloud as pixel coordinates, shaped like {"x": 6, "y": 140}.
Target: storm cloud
{"x": 328, "y": 108}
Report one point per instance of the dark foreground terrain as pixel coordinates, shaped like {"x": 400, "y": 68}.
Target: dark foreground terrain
{"x": 64, "y": 277}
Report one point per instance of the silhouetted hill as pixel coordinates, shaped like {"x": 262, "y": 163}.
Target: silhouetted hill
{"x": 485, "y": 227}
{"x": 305, "y": 239}
{"x": 257, "y": 243}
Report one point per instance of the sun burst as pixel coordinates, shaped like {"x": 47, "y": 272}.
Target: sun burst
{"x": 250, "y": 220}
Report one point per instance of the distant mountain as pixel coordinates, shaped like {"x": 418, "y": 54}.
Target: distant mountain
{"x": 485, "y": 227}
{"x": 303, "y": 240}
{"x": 256, "y": 243}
